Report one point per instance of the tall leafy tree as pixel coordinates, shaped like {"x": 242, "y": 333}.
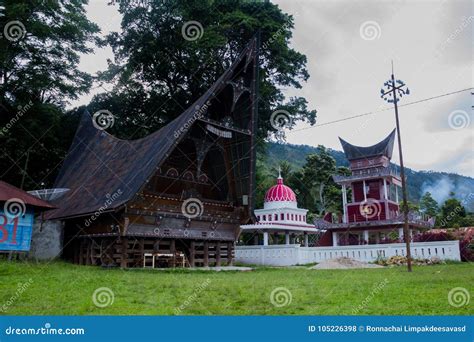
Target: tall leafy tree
{"x": 320, "y": 190}
{"x": 161, "y": 65}
{"x": 429, "y": 205}
{"x": 39, "y": 56}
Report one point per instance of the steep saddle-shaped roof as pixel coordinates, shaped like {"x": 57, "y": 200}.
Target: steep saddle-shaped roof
{"x": 383, "y": 148}
{"x": 104, "y": 172}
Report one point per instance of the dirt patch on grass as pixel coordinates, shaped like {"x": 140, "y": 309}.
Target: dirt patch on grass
{"x": 343, "y": 263}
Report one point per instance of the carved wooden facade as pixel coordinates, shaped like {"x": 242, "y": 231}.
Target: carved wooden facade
{"x": 183, "y": 190}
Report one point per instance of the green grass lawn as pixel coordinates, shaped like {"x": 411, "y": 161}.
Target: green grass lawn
{"x": 66, "y": 289}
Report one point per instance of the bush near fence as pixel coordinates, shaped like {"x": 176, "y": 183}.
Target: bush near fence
{"x": 464, "y": 235}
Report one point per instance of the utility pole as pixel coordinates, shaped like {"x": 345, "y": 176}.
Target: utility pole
{"x": 24, "y": 169}
{"x": 392, "y": 92}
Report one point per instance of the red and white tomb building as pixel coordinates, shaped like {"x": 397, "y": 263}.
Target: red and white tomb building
{"x": 279, "y": 217}
{"x": 372, "y": 212}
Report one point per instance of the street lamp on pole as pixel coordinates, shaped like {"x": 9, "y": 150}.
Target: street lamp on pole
{"x": 392, "y": 91}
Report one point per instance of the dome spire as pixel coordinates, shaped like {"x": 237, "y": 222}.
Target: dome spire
{"x": 279, "y": 179}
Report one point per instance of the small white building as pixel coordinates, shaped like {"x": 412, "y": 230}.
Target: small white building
{"x": 279, "y": 217}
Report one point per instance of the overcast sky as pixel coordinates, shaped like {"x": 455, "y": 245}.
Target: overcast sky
{"x": 349, "y": 46}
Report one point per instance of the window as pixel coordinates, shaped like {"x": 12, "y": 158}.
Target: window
{"x": 287, "y": 216}
{"x": 264, "y": 217}
{"x": 258, "y": 218}
{"x": 292, "y": 217}
{"x": 276, "y": 217}
{"x": 282, "y": 216}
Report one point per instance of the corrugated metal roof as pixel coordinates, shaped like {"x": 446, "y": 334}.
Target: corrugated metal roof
{"x": 100, "y": 166}
{"x": 9, "y": 192}
{"x": 385, "y": 148}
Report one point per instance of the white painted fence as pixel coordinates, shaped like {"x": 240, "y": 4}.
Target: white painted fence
{"x": 287, "y": 255}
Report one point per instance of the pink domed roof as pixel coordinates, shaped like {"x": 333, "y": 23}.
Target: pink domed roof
{"x": 280, "y": 193}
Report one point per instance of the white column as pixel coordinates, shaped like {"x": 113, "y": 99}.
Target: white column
{"x": 396, "y": 193}
{"x": 363, "y": 186}
{"x": 306, "y": 243}
{"x": 287, "y": 238}
{"x": 334, "y": 239}
{"x": 366, "y": 236}
{"x": 387, "y": 214}
{"x": 265, "y": 238}
{"x": 344, "y": 203}
{"x": 400, "y": 233}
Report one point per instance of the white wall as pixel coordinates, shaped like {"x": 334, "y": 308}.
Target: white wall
{"x": 282, "y": 255}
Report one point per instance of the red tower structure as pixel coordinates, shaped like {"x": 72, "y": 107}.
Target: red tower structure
{"x": 370, "y": 195}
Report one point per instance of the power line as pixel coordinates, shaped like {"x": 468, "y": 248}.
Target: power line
{"x": 380, "y": 111}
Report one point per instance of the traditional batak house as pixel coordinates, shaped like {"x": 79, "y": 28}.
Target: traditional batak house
{"x": 370, "y": 198}
{"x": 280, "y": 217}
{"x": 175, "y": 197}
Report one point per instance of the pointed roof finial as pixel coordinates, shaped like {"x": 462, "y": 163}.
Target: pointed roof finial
{"x": 279, "y": 179}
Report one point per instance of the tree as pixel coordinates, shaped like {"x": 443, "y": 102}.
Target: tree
{"x": 412, "y": 206}
{"x": 452, "y": 214}
{"x": 160, "y": 68}
{"x": 429, "y": 205}
{"x": 39, "y": 57}
{"x": 320, "y": 191}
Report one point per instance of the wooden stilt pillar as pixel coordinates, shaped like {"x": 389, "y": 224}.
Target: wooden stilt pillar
{"x": 192, "y": 251}
{"x": 124, "y": 256}
{"x": 88, "y": 252}
{"x": 229, "y": 254}
{"x": 173, "y": 251}
{"x": 76, "y": 251}
{"x": 206, "y": 254}
{"x": 218, "y": 253}
{"x": 81, "y": 252}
